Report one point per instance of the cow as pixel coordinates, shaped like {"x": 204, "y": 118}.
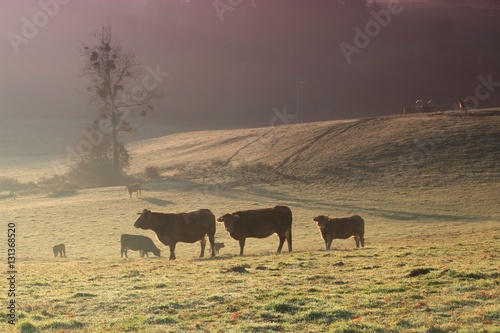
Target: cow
{"x": 219, "y": 246}
{"x": 341, "y": 228}
{"x": 463, "y": 105}
{"x": 131, "y": 188}
{"x": 139, "y": 243}
{"x": 59, "y": 249}
{"x": 259, "y": 223}
{"x": 171, "y": 228}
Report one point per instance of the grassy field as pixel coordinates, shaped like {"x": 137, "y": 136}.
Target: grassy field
{"x": 440, "y": 218}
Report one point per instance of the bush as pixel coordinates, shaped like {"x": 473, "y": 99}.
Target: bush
{"x": 11, "y": 184}
{"x": 152, "y": 172}
{"x": 96, "y": 173}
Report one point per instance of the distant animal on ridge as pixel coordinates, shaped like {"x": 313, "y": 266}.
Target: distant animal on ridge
{"x": 463, "y": 105}
{"x": 219, "y": 246}
{"x": 139, "y": 243}
{"x": 60, "y": 250}
{"x": 180, "y": 227}
{"x": 341, "y": 228}
{"x": 260, "y": 223}
{"x": 131, "y": 188}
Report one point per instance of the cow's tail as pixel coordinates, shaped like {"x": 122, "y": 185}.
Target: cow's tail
{"x": 289, "y": 231}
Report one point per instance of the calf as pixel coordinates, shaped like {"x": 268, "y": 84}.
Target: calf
{"x": 341, "y": 228}
{"x": 139, "y": 243}
{"x": 60, "y": 250}
{"x": 218, "y": 246}
{"x": 131, "y": 188}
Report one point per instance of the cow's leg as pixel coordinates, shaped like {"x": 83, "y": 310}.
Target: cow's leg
{"x": 328, "y": 242}
{"x": 362, "y": 239}
{"x": 289, "y": 239}
{"x": 282, "y": 241}
{"x": 211, "y": 239}
{"x": 242, "y": 245}
{"x": 172, "y": 251}
{"x": 203, "y": 243}
{"x": 356, "y": 239}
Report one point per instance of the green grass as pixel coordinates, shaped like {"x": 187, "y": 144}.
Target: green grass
{"x": 302, "y": 294}
{"x": 308, "y": 290}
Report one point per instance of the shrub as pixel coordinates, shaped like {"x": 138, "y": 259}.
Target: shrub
{"x": 152, "y": 172}
{"x": 11, "y": 184}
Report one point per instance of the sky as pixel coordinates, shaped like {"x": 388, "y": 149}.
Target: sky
{"x": 246, "y": 63}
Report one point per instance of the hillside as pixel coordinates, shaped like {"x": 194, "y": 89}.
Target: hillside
{"x": 440, "y": 216}
{"x": 409, "y": 150}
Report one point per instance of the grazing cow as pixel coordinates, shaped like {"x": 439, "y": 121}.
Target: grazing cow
{"x": 182, "y": 227}
{"x": 218, "y": 246}
{"x": 131, "y": 188}
{"x": 60, "y": 250}
{"x": 341, "y": 228}
{"x": 139, "y": 243}
{"x": 260, "y": 223}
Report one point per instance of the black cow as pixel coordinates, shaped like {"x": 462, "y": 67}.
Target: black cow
{"x": 60, "y": 250}
{"x": 341, "y": 228}
{"x": 139, "y": 243}
{"x": 260, "y": 223}
{"x": 181, "y": 227}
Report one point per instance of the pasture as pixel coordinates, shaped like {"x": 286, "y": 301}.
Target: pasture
{"x": 431, "y": 260}
{"x": 307, "y": 290}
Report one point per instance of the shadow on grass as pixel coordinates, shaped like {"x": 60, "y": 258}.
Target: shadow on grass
{"x": 158, "y": 202}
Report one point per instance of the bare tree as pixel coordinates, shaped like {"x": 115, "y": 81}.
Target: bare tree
{"x": 112, "y": 72}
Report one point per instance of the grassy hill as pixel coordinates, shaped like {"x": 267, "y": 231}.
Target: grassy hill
{"x": 412, "y": 150}
{"x": 427, "y": 186}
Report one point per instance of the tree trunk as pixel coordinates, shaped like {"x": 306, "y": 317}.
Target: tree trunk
{"x": 114, "y": 140}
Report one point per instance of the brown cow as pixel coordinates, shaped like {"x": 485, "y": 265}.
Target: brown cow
{"x": 341, "y": 228}
{"x": 131, "y": 188}
{"x": 183, "y": 227}
{"x": 260, "y": 223}
{"x": 60, "y": 250}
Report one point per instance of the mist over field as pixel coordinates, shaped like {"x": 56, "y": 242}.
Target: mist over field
{"x": 234, "y": 105}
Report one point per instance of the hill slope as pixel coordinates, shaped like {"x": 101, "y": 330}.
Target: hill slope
{"x": 415, "y": 150}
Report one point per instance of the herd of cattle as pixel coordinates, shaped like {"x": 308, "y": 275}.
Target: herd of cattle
{"x": 172, "y": 228}
{"x": 431, "y": 106}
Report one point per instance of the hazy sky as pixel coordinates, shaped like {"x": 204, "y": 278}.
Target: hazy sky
{"x": 231, "y": 63}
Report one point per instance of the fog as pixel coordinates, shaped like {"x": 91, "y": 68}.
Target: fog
{"x": 239, "y": 63}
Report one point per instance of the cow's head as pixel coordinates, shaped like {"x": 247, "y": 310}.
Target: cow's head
{"x": 321, "y": 221}
{"x": 143, "y": 220}
{"x": 228, "y": 220}
{"x": 157, "y": 252}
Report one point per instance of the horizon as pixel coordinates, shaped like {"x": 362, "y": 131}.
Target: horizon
{"x": 234, "y": 66}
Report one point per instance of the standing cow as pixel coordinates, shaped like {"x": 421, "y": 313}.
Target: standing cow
{"x": 131, "y": 188}
{"x": 260, "y": 223}
{"x": 341, "y": 228}
{"x": 59, "y": 249}
{"x": 139, "y": 243}
{"x": 182, "y": 227}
